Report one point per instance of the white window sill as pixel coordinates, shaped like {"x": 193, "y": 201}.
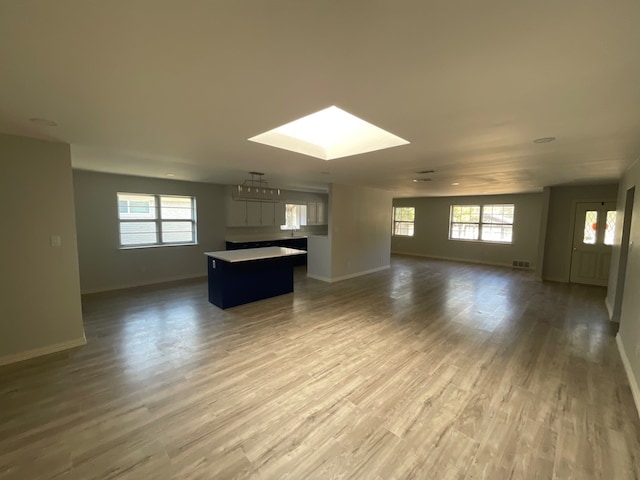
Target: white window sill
{"x": 138, "y": 247}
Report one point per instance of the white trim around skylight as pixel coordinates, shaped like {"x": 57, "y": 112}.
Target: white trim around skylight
{"x": 329, "y": 134}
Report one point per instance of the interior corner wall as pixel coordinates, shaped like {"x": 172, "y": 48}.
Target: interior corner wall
{"x": 104, "y": 266}
{"x": 560, "y": 224}
{"x": 542, "y": 237}
{"x": 40, "y": 309}
{"x": 431, "y": 230}
{"x": 359, "y": 230}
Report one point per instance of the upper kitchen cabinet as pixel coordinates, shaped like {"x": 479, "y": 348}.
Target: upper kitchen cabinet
{"x": 265, "y": 213}
{"x": 316, "y": 213}
{"x": 321, "y": 213}
{"x": 273, "y": 214}
{"x": 242, "y": 213}
{"x": 312, "y": 213}
{"x": 236, "y": 213}
{"x": 268, "y": 214}
{"x": 280, "y": 214}
{"x": 254, "y": 214}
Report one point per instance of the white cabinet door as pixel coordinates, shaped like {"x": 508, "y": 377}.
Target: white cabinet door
{"x": 254, "y": 214}
{"x": 321, "y": 213}
{"x": 312, "y": 213}
{"x": 268, "y": 214}
{"x": 279, "y": 215}
{"x": 236, "y": 213}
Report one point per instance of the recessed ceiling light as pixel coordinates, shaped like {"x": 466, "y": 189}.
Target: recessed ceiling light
{"x": 544, "y": 140}
{"x": 43, "y": 122}
{"x": 329, "y": 134}
{"x": 171, "y": 174}
{"x": 455, "y": 183}
{"x": 416, "y": 180}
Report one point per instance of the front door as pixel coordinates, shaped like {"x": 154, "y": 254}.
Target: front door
{"x": 592, "y": 240}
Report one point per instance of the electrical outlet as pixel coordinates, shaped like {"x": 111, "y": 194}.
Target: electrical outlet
{"x": 55, "y": 240}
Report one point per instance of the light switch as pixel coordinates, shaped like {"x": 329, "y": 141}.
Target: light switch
{"x": 55, "y": 240}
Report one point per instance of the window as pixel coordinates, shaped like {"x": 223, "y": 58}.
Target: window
{"x": 127, "y": 206}
{"x": 464, "y": 222}
{"x": 590, "y": 227}
{"x": 149, "y": 220}
{"x": 485, "y": 223}
{"x": 295, "y": 216}
{"x": 610, "y": 227}
{"x": 403, "y": 221}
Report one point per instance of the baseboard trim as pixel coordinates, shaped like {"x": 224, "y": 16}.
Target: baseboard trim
{"x": 143, "y": 284}
{"x": 460, "y": 260}
{"x": 318, "y": 277}
{"x": 555, "y": 279}
{"x": 351, "y": 275}
{"x": 630, "y": 376}
{"x": 609, "y": 308}
{"x": 38, "y": 352}
{"x": 359, "y": 274}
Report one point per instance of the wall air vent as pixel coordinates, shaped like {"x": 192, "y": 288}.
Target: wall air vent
{"x": 520, "y": 264}
{"x": 255, "y": 190}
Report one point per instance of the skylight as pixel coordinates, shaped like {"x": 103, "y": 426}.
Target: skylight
{"x": 329, "y": 134}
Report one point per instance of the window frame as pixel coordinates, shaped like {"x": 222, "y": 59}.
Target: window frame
{"x": 301, "y": 216}
{"x": 481, "y": 223}
{"x": 157, "y": 220}
{"x": 395, "y": 222}
{"x": 612, "y": 236}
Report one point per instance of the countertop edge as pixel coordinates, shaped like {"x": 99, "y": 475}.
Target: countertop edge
{"x": 261, "y": 239}
{"x": 249, "y": 254}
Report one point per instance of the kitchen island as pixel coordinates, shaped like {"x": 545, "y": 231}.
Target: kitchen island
{"x": 298, "y": 242}
{"x": 237, "y": 277}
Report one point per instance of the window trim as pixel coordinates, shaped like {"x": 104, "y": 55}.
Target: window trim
{"x": 158, "y": 221}
{"x": 394, "y": 222}
{"x": 300, "y": 218}
{"x": 480, "y": 223}
{"x": 606, "y": 227}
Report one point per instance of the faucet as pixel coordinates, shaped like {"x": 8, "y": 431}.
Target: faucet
{"x": 293, "y": 232}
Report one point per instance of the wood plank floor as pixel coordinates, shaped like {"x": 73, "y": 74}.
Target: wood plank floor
{"x": 429, "y": 370}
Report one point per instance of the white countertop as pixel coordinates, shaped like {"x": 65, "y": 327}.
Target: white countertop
{"x": 248, "y": 254}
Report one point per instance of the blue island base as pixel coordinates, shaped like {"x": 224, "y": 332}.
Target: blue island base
{"x": 237, "y": 283}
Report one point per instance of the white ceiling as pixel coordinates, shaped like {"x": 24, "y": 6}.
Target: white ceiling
{"x": 156, "y": 86}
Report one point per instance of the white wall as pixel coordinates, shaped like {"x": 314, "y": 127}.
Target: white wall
{"x": 629, "y": 333}
{"x": 40, "y": 308}
{"x": 431, "y": 236}
{"x": 319, "y": 258}
{"x": 104, "y": 266}
{"x": 561, "y": 215}
{"x": 359, "y": 230}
